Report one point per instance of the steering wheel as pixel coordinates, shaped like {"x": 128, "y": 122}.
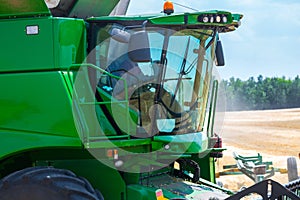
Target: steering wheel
{"x": 145, "y": 94}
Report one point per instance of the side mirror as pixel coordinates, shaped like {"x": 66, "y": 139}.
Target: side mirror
{"x": 120, "y": 35}
{"x": 220, "y": 61}
{"x": 139, "y": 47}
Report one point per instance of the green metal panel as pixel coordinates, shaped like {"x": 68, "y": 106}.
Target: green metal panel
{"x": 58, "y": 44}
{"x": 69, "y": 41}
{"x": 123, "y": 18}
{"x": 138, "y": 192}
{"x": 14, "y": 142}
{"x": 24, "y": 8}
{"x": 207, "y": 166}
{"x": 36, "y": 102}
{"x": 22, "y": 51}
{"x": 120, "y": 143}
{"x": 189, "y": 143}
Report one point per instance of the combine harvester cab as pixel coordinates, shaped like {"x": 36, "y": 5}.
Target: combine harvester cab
{"x": 127, "y": 102}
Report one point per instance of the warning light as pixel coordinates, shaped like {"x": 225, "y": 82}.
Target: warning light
{"x": 112, "y": 153}
{"x": 159, "y": 195}
{"x": 168, "y": 7}
{"x": 109, "y": 153}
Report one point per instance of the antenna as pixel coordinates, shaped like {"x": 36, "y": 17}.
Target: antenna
{"x": 184, "y": 6}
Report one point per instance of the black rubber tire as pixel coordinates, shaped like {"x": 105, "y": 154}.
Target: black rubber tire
{"x": 47, "y": 183}
{"x": 292, "y": 169}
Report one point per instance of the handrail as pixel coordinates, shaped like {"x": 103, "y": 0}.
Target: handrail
{"x": 96, "y": 68}
{"x": 125, "y": 101}
{"x": 102, "y": 71}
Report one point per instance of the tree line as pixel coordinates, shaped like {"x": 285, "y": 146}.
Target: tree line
{"x": 261, "y": 93}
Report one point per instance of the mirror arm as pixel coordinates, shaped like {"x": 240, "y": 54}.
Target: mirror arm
{"x": 212, "y": 39}
{"x": 143, "y": 25}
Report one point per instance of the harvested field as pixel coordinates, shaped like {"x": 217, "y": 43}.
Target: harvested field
{"x": 275, "y": 134}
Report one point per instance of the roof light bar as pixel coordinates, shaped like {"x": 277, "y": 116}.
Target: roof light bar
{"x": 213, "y": 18}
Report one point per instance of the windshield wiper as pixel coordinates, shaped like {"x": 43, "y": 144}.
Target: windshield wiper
{"x": 181, "y": 73}
{"x": 206, "y": 47}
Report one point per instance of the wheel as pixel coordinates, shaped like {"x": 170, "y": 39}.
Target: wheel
{"x": 292, "y": 169}
{"x": 46, "y": 183}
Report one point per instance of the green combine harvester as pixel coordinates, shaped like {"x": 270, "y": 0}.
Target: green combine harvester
{"x": 97, "y": 106}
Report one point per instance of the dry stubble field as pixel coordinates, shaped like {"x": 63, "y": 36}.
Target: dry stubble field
{"x": 275, "y": 134}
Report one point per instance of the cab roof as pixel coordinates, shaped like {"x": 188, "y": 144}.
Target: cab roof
{"x": 189, "y": 20}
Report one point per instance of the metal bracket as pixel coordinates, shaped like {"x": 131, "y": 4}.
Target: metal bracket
{"x": 268, "y": 190}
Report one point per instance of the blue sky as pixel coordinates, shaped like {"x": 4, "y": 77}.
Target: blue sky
{"x": 267, "y": 43}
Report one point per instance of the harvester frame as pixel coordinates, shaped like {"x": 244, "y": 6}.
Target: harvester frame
{"x": 61, "y": 111}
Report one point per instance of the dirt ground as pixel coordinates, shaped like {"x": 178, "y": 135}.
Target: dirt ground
{"x": 275, "y": 134}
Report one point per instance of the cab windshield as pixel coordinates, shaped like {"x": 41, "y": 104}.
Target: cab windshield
{"x": 168, "y": 87}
